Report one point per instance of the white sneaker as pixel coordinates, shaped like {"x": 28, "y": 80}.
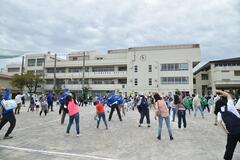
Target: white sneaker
{"x": 78, "y": 135}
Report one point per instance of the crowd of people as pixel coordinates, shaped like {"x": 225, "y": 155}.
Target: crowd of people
{"x": 225, "y": 108}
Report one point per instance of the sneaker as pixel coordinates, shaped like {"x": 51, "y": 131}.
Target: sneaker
{"x": 139, "y": 125}
{"x": 67, "y": 134}
{"x": 78, "y": 135}
{"x": 149, "y": 126}
{"x": 7, "y": 137}
{"x": 215, "y": 124}
{"x": 106, "y": 128}
{"x": 159, "y": 137}
{"x": 171, "y": 138}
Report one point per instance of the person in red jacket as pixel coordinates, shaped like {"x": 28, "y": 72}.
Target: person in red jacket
{"x": 100, "y": 112}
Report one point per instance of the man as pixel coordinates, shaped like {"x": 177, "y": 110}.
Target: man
{"x": 229, "y": 120}
{"x": 112, "y": 102}
{"x": 50, "y": 101}
{"x": 18, "y": 100}
{"x": 7, "y": 116}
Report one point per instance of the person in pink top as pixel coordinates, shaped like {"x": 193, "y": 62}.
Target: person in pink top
{"x": 73, "y": 112}
{"x": 161, "y": 113}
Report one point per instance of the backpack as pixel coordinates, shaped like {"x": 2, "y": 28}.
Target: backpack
{"x": 231, "y": 121}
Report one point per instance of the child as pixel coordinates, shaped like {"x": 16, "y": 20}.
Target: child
{"x": 100, "y": 112}
{"x": 44, "y": 106}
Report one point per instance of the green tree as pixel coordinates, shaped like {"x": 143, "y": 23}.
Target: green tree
{"x": 18, "y": 81}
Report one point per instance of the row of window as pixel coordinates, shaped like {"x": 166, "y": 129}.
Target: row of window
{"x": 167, "y": 80}
{"x": 31, "y": 62}
{"x": 80, "y": 69}
{"x": 86, "y": 81}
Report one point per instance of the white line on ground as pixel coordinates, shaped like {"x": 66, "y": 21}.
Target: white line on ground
{"x": 54, "y": 152}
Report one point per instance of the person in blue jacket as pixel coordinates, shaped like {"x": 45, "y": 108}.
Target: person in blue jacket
{"x": 50, "y": 100}
{"x": 7, "y": 116}
{"x": 112, "y": 101}
{"x": 62, "y": 101}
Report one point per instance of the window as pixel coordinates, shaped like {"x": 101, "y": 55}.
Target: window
{"x": 31, "y": 62}
{"x": 103, "y": 69}
{"x": 135, "y": 68}
{"x": 99, "y": 58}
{"x": 122, "y": 68}
{"x": 40, "y": 61}
{"x": 60, "y": 70}
{"x": 49, "y": 81}
{"x": 225, "y": 71}
{"x": 50, "y": 70}
{"x": 174, "y": 67}
{"x": 174, "y": 80}
{"x": 74, "y": 70}
{"x": 149, "y": 68}
{"x": 74, "y": 58}
{"x": 135, "y": 81}
{"x": 204, "y": 76}
{"x": 39, "y": 72}
{"x": 237, "y": 73}
{"x": 194, "y": 80}
{"x": 122, "y": 81}
{"x": 149, "y": 81}
{"x": 13, "y": 69}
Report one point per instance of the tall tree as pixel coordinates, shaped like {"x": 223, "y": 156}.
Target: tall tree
{"x": 18, "y": 81}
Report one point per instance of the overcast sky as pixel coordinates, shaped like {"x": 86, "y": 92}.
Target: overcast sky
{"x": 66, "y": 25}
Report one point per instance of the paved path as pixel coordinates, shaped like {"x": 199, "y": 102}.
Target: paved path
{"x": 40, "y": 138}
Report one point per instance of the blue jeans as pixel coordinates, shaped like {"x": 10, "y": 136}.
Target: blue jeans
{"x": 174, "y": 114}
{"x": 182, "y": 116}
{"x": 160, "y": 121}
{"x": 77, "y": 119}
{"x": 198, "y": 108}
{"x": 102, "y": 116}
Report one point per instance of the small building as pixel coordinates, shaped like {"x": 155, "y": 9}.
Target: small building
{"x": 219, "y": 74}
{"x": 4, "y": 80}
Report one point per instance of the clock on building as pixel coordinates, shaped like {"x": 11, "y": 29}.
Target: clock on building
{"x": 143, "y": 57}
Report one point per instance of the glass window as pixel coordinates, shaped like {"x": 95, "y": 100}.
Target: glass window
{"x": 149, "y": 81}
{"x": 164, "y": 67}
{"x": 40, "y": 61}
{"x": 102, "y": 69}
{"x": 149, "y": 68}
{"x": 50, "y": 70}
{"x": 31, "y": 62}
{"x": 135, "y": 81}
{"x": 49, "y": 81}
{"x": 135, "y": 68}
{"x": 204, "y": 76}
{"x": 13, "y": 69}
{"x": 174, "y": 80}
{"x": 237, "y": 73}
{"x": 174, "y": 66}
{"x": 122, "y": 68}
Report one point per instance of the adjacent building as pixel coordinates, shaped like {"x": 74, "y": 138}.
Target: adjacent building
{"x": 160, "y": 69}
{"x": 220, "y": 74}
{"x": 5, "y": 80}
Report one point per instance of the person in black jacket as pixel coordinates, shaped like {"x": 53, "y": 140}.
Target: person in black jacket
{"x": 143, "y": 109}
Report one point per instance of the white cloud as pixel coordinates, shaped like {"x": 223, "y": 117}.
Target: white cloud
{"x": 105, "y": 24}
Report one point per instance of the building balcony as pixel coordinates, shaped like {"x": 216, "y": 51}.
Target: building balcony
{"x": 112, "y": 74}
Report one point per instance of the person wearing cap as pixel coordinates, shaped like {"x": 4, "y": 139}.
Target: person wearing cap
{"x": 229, "y": 120}
{"x": 7, "y": 116}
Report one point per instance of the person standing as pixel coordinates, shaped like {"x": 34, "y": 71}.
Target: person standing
{"x": 73, "y": 112}
{"x": 44, "y": 106}
{"x": 7, "y": 116}
{"x": 181, "y": 112}
{"x": 112, "y": 102}
{"x": 174, "y": 110}
{"x": 142, "y": 106}
{"x": 18, "y": 100}
{"x": 100, "y": 112}
{"x": 197, "y": 105}
{"x": 229, "y": 120}
{"x": 162, "y": 113}
{"x": 50, "y": 101}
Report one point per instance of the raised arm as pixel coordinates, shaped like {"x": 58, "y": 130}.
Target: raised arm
{"x": 223, "y": 93}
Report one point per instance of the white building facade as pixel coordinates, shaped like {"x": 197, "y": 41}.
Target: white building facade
{"x": 162, "y": 69}
{"x": 220, "y": 74}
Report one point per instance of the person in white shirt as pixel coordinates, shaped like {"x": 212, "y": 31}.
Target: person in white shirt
{"x": 229, "y": 120}
{"x": 18, "y": 100}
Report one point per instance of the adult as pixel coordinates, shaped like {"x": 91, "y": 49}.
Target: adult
{"x": 143, "y": 109}
{"x": 7, "y": 116}
{"x": 112, "y": 102}
{"x": 162, "y": 113}
{"x": 197, "y": 105}
{"x": 181, "y": 112}
{"x": 18, "y": 100}
{"x": 50, "y": 101}
{"x": 229, "y": 120}
{"x": 73, "y": 112}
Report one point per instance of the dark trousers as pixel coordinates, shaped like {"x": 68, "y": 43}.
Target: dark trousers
{"x": 50, "y": 104}
{"x": 45, "y": 112}
{"x": 17, "y": 110}
{"x": 9, "y": 117}
{"x": 102, "y": 116}
{"x": 206, "y": 106}
{"x": 231, "y": 145}
{"x": 63, "y": 111}
{"x": 115, "y": 106}
{"x": 182, "y": 116}
{"x": 144, "y": 113}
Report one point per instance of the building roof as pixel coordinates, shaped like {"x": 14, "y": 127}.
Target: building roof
{"x": 158, "y": 47}
{"x": 6, "y": 75}
{"x": 221, "y": 61}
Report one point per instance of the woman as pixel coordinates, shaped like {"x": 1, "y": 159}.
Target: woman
{"x": 162, "y": 113}
{"x": 181, "y": 112}
{"x": 73, "y": 112}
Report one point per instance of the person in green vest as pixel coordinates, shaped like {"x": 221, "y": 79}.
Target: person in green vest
{"x": 204, "y": 103}
{"x": 186, "y": 103}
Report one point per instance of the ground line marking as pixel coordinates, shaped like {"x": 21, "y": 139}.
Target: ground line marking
{"x": 54, "y": 152}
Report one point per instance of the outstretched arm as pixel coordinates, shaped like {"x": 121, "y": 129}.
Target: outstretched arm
{"x": 223, "y": 93}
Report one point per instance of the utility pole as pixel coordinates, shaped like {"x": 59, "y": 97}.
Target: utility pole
{"x": 44, "y": 66}
{"x": 54, "y": 80}
{"x": 83, "y": 76}
{"x": 22, "y": 65}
